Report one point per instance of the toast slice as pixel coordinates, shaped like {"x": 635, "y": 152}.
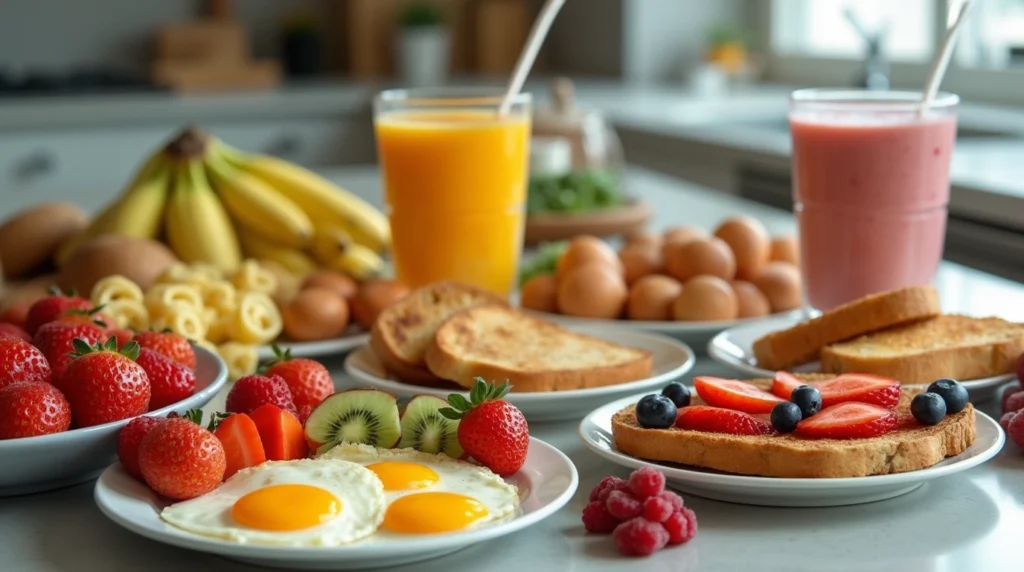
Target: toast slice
{"x": 803, "y": 342}
{"x": 954, "y": 346}
{"x": 499, "y": 343}
{"x": 911, "y": 447}
{"x": 403, "y": 331}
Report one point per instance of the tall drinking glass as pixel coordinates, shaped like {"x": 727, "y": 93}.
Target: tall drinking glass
{"x": 870, "y": 189}
{"x": 455, "y": 184}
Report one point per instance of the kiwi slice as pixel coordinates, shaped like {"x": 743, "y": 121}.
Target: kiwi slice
{"x": 364, "y": 416}
{"x": 425, "y": 429}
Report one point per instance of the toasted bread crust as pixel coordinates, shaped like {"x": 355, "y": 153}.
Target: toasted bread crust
{"x": 460, "y": 354}
{"x": 803, "y": 342}
{"x": 911, "y": 448}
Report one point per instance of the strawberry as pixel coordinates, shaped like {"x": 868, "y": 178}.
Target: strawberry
{"x": 169, "y": 344}
{"x": 733, "y": 394}
{"x": 16, "y": 313}
{"x": 280, "y": 432}
{"x": 848, "y": 420}
{"x": 718, "y": 420}
{"x": 104, "y": 384}
{"x": 491, "y": 430}
{"x": 28, "y": 409}
{"x": 181, "y": 460}
{"x": 252, "y": 391}
{"x": 55, "y": 339}
{"x": 128, "y": 442}
{"x": 10, "y": 330}
{"x": 784, "y": 383}
{"x": 309, "y": 381}
{"x": 48, "y": 309}
{"x": 88, "y": 316}
{"x": 169, "y": 381}
{"x": 846, "y": 387}
{"x": 123, "y": 335}
{"x": 21, "y": 361}
{"x": 241, "y": 440}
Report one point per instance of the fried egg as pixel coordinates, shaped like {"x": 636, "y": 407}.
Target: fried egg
{"x": 429, "y": 494}
{"x": 306, "y": 502}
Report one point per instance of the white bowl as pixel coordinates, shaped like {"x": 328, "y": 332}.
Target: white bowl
{"x": 36, "y": 464}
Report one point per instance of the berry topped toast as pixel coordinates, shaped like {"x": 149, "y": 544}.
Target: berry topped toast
{"x": 831, "y": 427}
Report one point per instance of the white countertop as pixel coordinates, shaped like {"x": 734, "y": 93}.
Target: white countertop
{"x": 969, "y": 521}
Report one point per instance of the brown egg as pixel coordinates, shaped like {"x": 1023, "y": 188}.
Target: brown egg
{"x": 750, "y": 244}
{"x": 781, "y": 284}
{"x": 539, "y": 293}
{"x": 373, "y": 297}
{"x": 340, "y": 283}
{"x": 705, "y": 299}
{"x": 315, "y": 314}
{"x": 682, "y": 234}
{"x": 752, "y": 302}
{"x": 640, "y": 260}
{"x": 585, "y": 249}
{"x": 651, "y": 298}
{"x": 592, "y": 291}
{"x": 643, "y": 238}
{"x": 684, "y": 260}
{"x": 785, "y": 249}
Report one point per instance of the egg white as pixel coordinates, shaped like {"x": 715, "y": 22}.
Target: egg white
{"x": 359, "y": 490}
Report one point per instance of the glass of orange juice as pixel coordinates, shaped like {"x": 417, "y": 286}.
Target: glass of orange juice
{"x": 455, "y": 175}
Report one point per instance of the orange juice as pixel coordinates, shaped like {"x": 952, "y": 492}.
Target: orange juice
{"x": 455, "y": 187}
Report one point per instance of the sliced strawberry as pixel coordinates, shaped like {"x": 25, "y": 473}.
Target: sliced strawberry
{"x": 860, "y": 387}
{"x": 241, "y": 440}
{"x": 784, "y": 383}
{"x": 733, "y": 394}
{"x": 281, "y": 433}
{"x": 719, "y": 420}
{"x": 849, "y": 420}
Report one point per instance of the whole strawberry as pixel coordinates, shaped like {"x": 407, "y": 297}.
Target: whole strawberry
{"x": 93, "y": 316}
{"x": 16, "y": 313}
{"x": 55, "y": 339}
{"x": 21, "y": 361}
{"x": 308, "y": 380}
{"x": 28, "y": 409}
{"x": 48, "y": 309}
{"x": 13, "y": 331}
{"x": 169, "y": 381}
{"x": 171, "y": 345}
{"x": 181, "y": 460}
{"x": 491, "y": 430}
{"x": 252, "y": 391}
{"x": 104, "y": 384}
{"x": 129, "y": 439}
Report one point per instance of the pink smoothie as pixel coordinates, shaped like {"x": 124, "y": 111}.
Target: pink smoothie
{"x": 871, "y": 195}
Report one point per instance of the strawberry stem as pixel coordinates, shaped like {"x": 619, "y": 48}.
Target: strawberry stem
{"x": 195, "y": 416}
{"x": 82, "y": 347}
{"x": 215, "y": 420}
{"x": 480, "y": 393}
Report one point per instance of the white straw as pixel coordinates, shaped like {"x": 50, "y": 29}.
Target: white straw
{"x": 941, "y": 63}
{"x": 529, "y": 53}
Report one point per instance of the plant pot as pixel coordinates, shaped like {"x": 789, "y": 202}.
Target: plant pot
{"x": 422, "y": 56}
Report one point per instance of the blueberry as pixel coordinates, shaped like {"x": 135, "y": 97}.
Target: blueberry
{"x": 808, "y": 399}
{"x": 928, "y": 408}
{"x": 952, "y": 392}
{"x": 678, "y": 393}
{"x": 656, "y": 412}
{"x": 785, "y": 416}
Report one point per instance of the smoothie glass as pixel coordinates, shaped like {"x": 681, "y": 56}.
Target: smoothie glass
{"x": 455, "y": 184}
{"x": 870, "y": 190}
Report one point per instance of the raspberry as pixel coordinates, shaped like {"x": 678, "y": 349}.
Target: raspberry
{"x": 596, "y": 518}
{"x": 1010, "y": 390}
{"x": 1015, "y": 430}
{"x": 638, "y": 537}
{"x": 1015, "y": 402}
{"x": 657, "y": 509}
{"x": 622, "y": 505}
{"x": 607, "y": 485}
{"x": 674, "y": 499}
{"x": 1004, "y": 421}
{"x": 646, "y": 482}
{"x": 681, "y": 526}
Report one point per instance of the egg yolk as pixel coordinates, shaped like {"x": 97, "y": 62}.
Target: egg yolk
{"x": 400, "y": 476}
{"x": 286, "y": 507}
{"x": 425, "y": 513}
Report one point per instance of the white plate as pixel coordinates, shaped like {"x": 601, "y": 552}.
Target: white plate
{"x": 672, "y": 360}
{"x": 735, "y": 348}
{"x": 48, "y": 462}
{"x": 546, "y": 483}
{"x": 352, "y": 339}
{"x": 596, "y": 433}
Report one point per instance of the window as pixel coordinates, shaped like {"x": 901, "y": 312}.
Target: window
{"x": 994, "y": 35}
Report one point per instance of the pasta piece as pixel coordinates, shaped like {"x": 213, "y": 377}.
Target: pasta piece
{"x": 182, "y": 320}
{"x": 251, "y": 277}
{"x": 115, "y": 288}
{"x": 241, "y": 359}
{"x": 257, "y": 320}
{"x": 221, "y": 329}
{"x": 219, "y": 294}
{"x": 206, "y": 272}
{"x": 128, "y": 314}
{"x": 175, "y": 274}
{"x": 164, "y": 298}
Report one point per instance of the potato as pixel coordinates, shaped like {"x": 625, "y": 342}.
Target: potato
{"x": 29, "y": 239}
{"x": 138, "y": 259}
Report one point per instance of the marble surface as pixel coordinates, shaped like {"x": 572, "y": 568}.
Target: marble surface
{"x": 969, "y": 521}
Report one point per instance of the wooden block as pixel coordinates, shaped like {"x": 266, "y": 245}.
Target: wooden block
{"x": 197, "y": 77}
{"x": 202, "y": 40}
{"x": 501, "y": 30}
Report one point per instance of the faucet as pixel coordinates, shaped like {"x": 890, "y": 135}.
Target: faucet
{"x": 874, "y": 72}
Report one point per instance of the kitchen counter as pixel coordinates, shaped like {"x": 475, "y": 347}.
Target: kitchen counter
{"x": 969, "y": 521}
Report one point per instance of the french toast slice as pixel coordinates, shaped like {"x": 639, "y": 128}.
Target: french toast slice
{"x": 403, "y": 331}
{"x": 910, "y": 447}
{"x": 954, "y": 346}
{"x": 803, "y": 342}
{"x": 498, "y": 343}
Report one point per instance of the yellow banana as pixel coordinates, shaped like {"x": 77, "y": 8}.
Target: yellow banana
{"x": 198, "y": 227}
{"x": 329, "y": 242}
{"x": 258, "y": 247}
{"x": 257, "y": 206}
{"x": 359, "y": 262}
